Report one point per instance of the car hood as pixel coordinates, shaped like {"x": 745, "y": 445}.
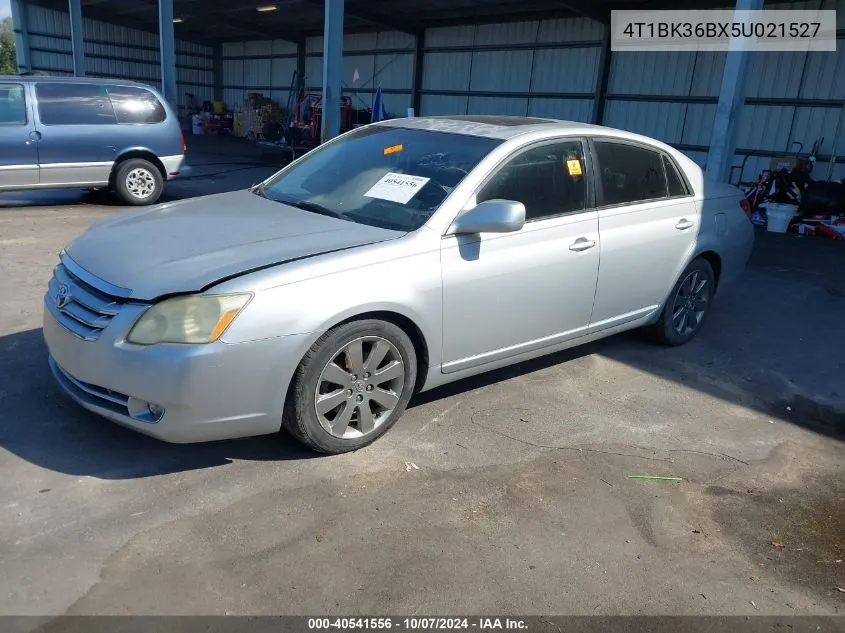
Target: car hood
{"x": 186, "y": 246}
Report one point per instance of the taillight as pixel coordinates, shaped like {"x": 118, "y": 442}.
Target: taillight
{"x": 184, "y": 146}
{"x": 746, "y": 208}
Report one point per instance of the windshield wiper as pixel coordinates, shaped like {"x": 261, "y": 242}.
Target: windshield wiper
{"x": 258, "y": 190}
{"x": 310, "y": 206}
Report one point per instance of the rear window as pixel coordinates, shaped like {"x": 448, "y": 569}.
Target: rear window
{"x": 673, "y": 179}
{"x": 629, "y": 173}
{"x": 135, "y": 105}
{"x": 73, "y": 104}
{"x": 12, "y": 105}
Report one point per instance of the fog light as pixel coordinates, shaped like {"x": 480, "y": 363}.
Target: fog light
{"x": 156, "y": 411}
{"x": 144, "y": 411}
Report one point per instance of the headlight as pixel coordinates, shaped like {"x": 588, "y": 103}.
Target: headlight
{"x": 189, "y": 319}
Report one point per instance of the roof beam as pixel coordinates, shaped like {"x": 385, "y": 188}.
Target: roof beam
{"x": 357, "y": 11}
{"x": 512, "y": 11}
{"x": 269, "y": 31}
{"x": 592, "y": 10}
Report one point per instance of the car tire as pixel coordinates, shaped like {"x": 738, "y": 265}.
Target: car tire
{"x": 138, "y": 182}
{"x": 358, "y": 366}
{"x": 687, "y": 307}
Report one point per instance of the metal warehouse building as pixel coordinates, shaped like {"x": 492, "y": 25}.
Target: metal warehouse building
{"x": 537, "y": 58}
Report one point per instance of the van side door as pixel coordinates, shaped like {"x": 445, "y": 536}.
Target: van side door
{"x": 18, "y": 139}
{"x": 76, "y": 122}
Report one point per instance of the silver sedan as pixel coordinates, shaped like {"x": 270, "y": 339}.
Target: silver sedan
{"x": 391, "y": 260}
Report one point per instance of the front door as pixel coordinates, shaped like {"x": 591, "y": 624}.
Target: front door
{"x": 648, "y": 221}
{"x": 77, "y": 126}
{"x": 509, "y": 293}
{"x": 18, "y": 139}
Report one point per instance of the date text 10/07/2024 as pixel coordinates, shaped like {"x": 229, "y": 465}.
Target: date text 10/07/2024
{"x": 417, "y": 624}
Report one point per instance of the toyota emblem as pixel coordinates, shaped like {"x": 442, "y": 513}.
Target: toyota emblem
{"x": 63, "y": 297}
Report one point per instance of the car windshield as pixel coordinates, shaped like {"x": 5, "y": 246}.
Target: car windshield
{"x": 390, "y": 177}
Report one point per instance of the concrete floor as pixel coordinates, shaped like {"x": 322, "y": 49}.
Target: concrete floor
{"x": 503, "y": 494}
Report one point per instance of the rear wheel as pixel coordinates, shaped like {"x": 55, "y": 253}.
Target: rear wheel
{"x": 687, "y": 306}
{"x": 351, "y": 387}
{"x": 138, "y": 182}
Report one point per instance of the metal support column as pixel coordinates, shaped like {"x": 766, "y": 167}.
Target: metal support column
{"x": 731, "y": 99}
{"x": 77, "y": 40}
{"x": 301, "y": 85}
{"x": 600, "y": 99}
{"x": 332, "y": 69}
{"x": 217, "y": 75}
{"x": 167, "y": 40}
{"x": 419, "y": 61}
{"x": 20, "y": 24}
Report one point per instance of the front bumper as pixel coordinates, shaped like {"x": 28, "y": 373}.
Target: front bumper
{"x": 208, "y": 392}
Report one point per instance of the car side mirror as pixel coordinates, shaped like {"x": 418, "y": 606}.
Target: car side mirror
{"x": 491, "y": 216}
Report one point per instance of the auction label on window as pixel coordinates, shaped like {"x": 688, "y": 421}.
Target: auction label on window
{"x": 574, "y": 167}
{"x": 397, "y": 187}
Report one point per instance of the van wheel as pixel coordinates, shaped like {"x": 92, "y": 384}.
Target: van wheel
{"x": 687, "y": 307}
{"x": 138, "y": 182}
{"x": 351, "y": 387}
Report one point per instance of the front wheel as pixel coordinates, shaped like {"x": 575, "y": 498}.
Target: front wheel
{"x": 687, "y": 306}
{"x": 351, "y": 387}
{"x": 138, "y": 182}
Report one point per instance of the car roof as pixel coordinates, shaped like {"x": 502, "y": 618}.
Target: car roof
{"x": 494, "y": 126}
{"x": 77, "y": 80}
{"x": 508, "y": 127}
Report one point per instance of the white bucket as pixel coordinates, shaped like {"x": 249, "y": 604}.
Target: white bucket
{"x": 778, "y": 216}
{"x": 197, "y": 124}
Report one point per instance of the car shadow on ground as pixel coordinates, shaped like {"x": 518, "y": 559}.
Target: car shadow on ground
{"x": 41, "y": 425}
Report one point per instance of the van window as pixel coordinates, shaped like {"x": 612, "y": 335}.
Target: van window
{"x": 73, "y": 104}
{"x": 12, "y": 105}
{"x": 135, "y": 105}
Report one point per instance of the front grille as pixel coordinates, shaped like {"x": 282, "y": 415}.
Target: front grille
{"x": 92, "y": 394}
{"x": 80, "y": 307}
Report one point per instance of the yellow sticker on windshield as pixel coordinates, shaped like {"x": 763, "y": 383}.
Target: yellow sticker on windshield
{"x": 574, "y": 167}
{"x": 393, "y": 149}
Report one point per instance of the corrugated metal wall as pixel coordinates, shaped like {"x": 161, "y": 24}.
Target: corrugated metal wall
{"x": 116, "y": 51}
{"x": 791, "y": 97}
{"x": 383, "y": 59}
{"x": 264, "y": 66}
{"x": 545, "y": 68}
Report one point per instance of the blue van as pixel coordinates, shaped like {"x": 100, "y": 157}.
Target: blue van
{"x": 58, "y": 132}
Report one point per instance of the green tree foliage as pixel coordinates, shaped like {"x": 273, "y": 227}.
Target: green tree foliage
{"x": 8, "y": 63}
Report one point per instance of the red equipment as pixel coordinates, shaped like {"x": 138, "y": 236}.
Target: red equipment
{"x": 308, "y": 115}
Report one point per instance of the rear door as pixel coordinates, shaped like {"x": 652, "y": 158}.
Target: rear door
{"x": 76, "y": 123}
{"x": 18, "y": 141}
{"x": 648, "y": 222}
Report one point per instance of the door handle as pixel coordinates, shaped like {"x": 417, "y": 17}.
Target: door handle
{"x": 582, "y": 244}
{"x": 35, "y": 136}
{"x": 684, "y": 224}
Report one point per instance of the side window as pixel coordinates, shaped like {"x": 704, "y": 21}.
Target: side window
{"x": 629, "y": 173}
{"x": 673, "y": 178}
{"x": 12, "y": 104}
{"x": 135, "y": 105}
{"x": 73, "y": 104}
{"x": 549, "y": 180}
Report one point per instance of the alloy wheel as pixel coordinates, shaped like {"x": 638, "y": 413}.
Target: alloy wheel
{"x": 691, "y": 302}
{"x": 140, "y": 183}
{"x": 360, "y": 387}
